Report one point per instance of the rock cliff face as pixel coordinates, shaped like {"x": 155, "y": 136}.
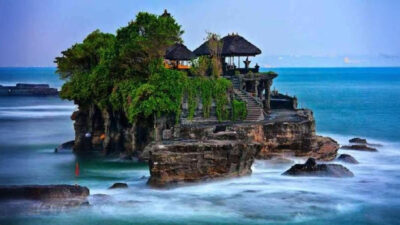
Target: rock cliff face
{"x": 293, "y": 135}
{"x": 189, "y": 161}
{"x": 203, "y": 149}
{"x": 100, "y": 130}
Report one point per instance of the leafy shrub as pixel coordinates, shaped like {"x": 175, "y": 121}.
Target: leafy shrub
{"x": 239, "y": 110}
{"x": 221, "y": 88}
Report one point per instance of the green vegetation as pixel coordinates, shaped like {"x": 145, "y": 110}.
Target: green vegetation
{"x": 221, "y": 98}
{"x": 210, "y": 64}
{"x": 239, "y": 110}
{"x": 215, "y": 45}
{"x": 209, "y": 89}
{"x": 124, "y": 73}
{"x": 269, "y": 73}
{"x": 161, "y": 94}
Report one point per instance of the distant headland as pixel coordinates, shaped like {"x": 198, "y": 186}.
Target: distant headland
{"x": 22, "y": 89}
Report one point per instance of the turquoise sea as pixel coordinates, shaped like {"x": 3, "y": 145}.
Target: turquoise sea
{"x": 347, "y": 102}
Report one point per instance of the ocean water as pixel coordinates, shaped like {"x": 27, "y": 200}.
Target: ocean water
{"x": 346, "y": 102}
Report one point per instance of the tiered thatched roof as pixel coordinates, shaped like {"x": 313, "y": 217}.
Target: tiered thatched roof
{"x": 232, "y": 45}
{"x": 179, "y": 52}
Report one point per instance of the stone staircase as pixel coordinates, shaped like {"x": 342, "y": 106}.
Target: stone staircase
{"x": 255, "y": 111}
{"x": 235, "y": 81}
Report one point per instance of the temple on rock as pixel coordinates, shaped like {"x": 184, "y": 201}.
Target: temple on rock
{"x": 231, "y": 48}
{"x": 210, "y": 114}
{"x": 249, "y": 84}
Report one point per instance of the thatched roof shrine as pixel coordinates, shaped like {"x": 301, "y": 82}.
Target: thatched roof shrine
{"x": 232, "y": 45}
{"x": 179, "y": 52}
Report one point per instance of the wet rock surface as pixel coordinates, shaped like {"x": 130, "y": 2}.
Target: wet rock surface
{"x": 347, "y": 159}
{"x": 22, "y": 199}
{"x": 363, "y": 142}
{"x": 69, "y": 145}
{"x": 190, "y": 160}
{"x": 311, "y": 168}
{"x": 358, "y": 140}
{"x": 359, "y": 147}
{"x": 118, "y": 185}
{"x": 43, "y": 192}
{"x": 326, "y": 149}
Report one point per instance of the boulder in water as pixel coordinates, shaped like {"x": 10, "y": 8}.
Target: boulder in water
{"x": 118, "y": 185}
{"x": 311, "y": 168}
{"x": 67, "y": 145}
{"x": 359, "y": 147}
{"x": 326, "y": 149}
{"x": 347, "y": 159}
{"x": 180, "y": 161}
{"x": 44, "y": 192}
{"x": 358, "y": 140}
{"x": 363, "y": 141}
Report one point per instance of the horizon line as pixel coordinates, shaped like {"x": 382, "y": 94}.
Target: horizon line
{"x": 278, "y": 67}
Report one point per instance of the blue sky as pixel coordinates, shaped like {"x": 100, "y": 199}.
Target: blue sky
{"x": 290, "y": 33}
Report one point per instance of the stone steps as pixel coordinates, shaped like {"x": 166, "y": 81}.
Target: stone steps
{"x": 254, "y": 111}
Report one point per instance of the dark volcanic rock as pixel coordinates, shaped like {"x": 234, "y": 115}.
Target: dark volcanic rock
{"x": 190, "y": 161}
{"x": 359, "y": 147}
{"x": 118, "y": 185}
{"x": 44, "y": 192}
{"x": 67, "y": 145}
{"x": 362, "y": 141}
{"x": 311, "y": 168}
{"x": 219, "y": 128}
{"x": 358, "y": 140}
{"x": 347, "y": 158}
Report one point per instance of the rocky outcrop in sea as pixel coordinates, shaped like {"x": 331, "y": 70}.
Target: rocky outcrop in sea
{"x": 311, "y": 168}
{"x": 175, "y": 162}
{"x": 44, "y": 192}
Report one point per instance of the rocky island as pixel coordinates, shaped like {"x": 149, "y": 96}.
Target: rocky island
{"x": 191, "y": 115}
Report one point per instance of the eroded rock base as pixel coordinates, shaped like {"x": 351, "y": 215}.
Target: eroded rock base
{"x": 189, "y": 161}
